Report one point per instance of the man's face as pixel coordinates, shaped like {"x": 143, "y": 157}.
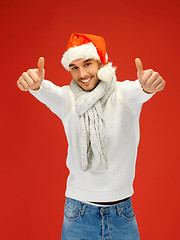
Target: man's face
{"x": 84, "y": 72}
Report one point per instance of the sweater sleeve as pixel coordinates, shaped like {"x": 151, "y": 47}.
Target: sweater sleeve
{"x": 54, "y": 97}
{"x": 132, "y": 94}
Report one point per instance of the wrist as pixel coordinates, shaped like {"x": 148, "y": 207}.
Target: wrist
{"x": 35, "y": 89}
{"x": 147, "y": 92}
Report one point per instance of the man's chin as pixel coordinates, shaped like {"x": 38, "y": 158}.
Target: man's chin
{"x": 89, "y": 88}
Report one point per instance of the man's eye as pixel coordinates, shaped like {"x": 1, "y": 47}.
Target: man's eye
{"x": 73, "y": 68}
{"x": 87, "y": 64}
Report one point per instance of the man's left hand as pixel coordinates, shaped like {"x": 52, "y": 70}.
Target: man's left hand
{"x": 150, "y": 81}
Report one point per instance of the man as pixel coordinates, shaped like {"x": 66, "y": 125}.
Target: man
{"x": 101, "y": 120}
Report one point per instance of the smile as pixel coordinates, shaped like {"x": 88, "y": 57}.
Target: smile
{"x": 87, "y": 80}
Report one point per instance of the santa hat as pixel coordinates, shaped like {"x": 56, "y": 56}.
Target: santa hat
{"x": 84, "y": 46}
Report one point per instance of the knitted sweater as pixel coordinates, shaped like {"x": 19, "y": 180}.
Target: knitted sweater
{"x": 121, "y": 116}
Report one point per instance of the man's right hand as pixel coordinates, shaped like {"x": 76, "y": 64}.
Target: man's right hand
{"x": 33, "y": 78}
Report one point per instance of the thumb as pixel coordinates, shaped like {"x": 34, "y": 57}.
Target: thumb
{"x": 41, "y": 67}
{"x": 139, "y": 67}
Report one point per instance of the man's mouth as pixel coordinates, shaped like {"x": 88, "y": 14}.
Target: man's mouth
{"x": 86, "y": 80}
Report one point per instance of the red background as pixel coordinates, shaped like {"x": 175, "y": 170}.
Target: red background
{"x": 33, "y": 144}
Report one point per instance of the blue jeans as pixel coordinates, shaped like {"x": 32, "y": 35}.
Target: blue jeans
{"x": 83, "y": 221}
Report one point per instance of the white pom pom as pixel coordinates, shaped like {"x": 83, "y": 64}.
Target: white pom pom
{"x": 106, "y": 73}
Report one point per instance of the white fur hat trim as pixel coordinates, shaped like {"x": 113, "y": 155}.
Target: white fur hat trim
{"x": 85, "y": 51}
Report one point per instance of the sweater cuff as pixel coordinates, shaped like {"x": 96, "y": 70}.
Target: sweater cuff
{"x": 43, "y": 85}
{"x": 143, "y": 96}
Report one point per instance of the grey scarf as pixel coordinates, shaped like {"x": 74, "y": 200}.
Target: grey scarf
{"x": 89, "y": 108}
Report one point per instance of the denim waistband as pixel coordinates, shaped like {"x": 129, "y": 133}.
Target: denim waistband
{"x": 111, "y": 203}
{"x": 73, "y": 203}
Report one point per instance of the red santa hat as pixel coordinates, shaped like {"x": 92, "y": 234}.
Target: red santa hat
{"x": 84, "y": 46}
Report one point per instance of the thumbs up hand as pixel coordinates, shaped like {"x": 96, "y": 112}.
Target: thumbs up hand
{"x": 33, "y": 78}
{"x": 150, "y": 81}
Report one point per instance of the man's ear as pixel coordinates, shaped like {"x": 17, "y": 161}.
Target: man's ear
{"x": 100, "y": 64}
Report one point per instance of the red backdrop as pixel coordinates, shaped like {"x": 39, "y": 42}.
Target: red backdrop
{"x": 33, "y": 144}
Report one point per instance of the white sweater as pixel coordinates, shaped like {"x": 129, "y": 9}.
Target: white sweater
{"x": 121, "y": 114}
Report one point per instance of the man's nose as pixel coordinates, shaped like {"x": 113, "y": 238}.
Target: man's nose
{"x": 82, "y": 73}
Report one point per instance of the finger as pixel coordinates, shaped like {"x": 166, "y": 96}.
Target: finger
{"x": 161, "y": 86}
{"x": 152, "y": 78}
{"x": 20, "y": 86}
{"x": 157, "y": 82}
{"x": 41, "y": 67}
{"x": 147, "y": 74}
{"x": 33, "y": 73}
{"x": 27, "y": 79}
{"x": 139, "y": 67}
{"x": 24, "y": 83}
